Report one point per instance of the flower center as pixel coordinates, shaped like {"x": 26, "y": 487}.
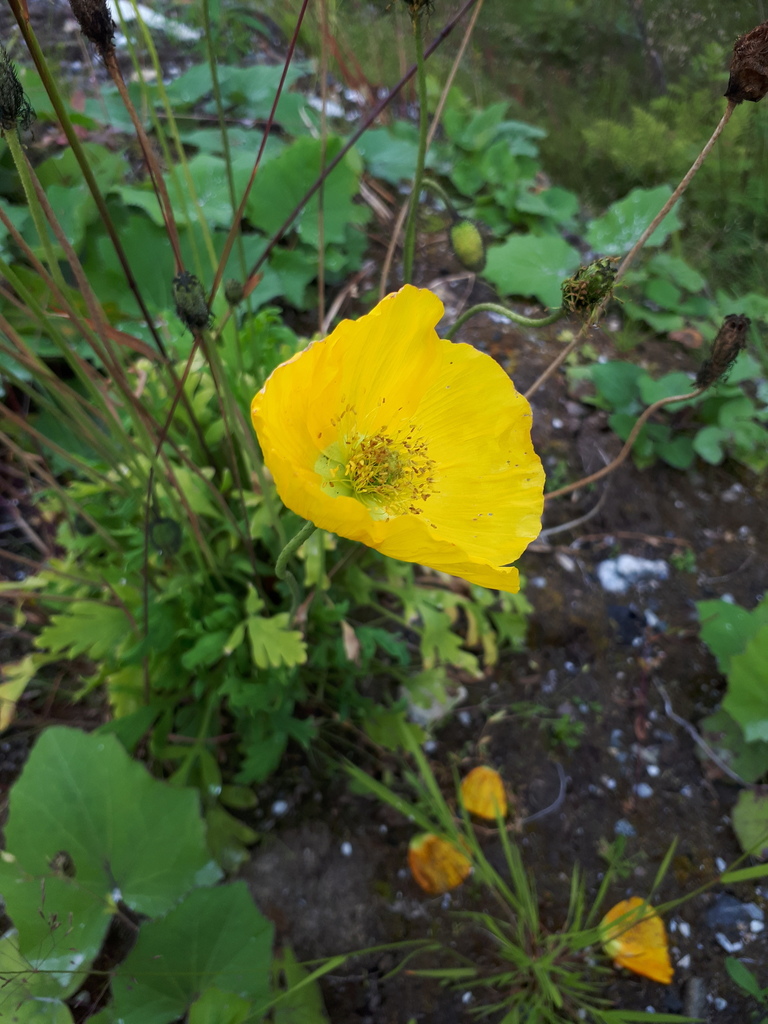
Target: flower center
{"x": 388, "y": 475}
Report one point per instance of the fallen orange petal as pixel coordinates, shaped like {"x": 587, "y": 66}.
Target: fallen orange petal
{"x": 436, "y": 864}
{"x": 483, "y": 793}
{"x": 637, "y": 941}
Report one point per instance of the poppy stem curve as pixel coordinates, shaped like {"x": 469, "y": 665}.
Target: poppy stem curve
{"x": 291, "y": 548}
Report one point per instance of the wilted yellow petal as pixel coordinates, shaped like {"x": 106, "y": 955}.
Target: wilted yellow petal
{"x": 436, "y": 864}
{"x": 412, "y": 444}
{"x": 634, "y": 935}
{"x": 483, "y": 793}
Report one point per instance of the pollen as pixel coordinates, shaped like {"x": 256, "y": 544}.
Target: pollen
{"x": 391, "y": 476}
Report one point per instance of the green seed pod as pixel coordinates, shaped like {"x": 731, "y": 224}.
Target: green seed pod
{"x": 191, "y": 306}
{"x": 233, "y": 292}
{"x": 588, "y": 287}
{"x": 467, "y": 243}
{"x": 15, "y": 109}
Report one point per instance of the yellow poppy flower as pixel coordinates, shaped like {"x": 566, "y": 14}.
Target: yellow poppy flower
{"x": 483, "y": 793}
{"x": 637, "y": 941}
{"x": 436, "y": 864}
{"x": 414, "y": 445}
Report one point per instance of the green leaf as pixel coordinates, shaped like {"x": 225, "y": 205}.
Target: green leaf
{"x": 22, "y": 981}
{"x": 670, "y": 384}
{"x": 123, "y": 835}
{"x": 217, "y": 1007}
{"x": 750, "y": 822}
{"x": 93, "y": 628}
{"x": 726, "y": 628}
{"x": 529, "y": 265}
{"x": 618, "y": 382}
{"x": 390, "y": 153}
{"x": 743, "y": 977}
{"x": 284, "y": 181}
{"x": 214, "y": 938}
{"x": 677, "y": 452}
{"x": 304, "y": 1002}
{"x": 664, "y": 264}
{"x": 708, "y": 444}
{"x": 747, "y": 697}
{"x": 620, "y": 227}
{"x": 748, "y": 760}
{"x": 273, "y": 644}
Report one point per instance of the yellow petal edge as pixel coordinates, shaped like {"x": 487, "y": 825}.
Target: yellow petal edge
{"x": 637, "y": 941}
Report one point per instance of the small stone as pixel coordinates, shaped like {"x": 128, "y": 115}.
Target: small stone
{"x": 684, "y": 962}
{"x": 279, "y": 808}
{"x": 624, "y": 828}
{"x": 643, "y": 790}
{"x": 728, "y": 946}
{"x": 346, "y": 849}
{"x": 756, "y": 926}
{"x": 685, "y": 929}
{"x": 653, "y": 770}
{"x": 720, "y": 1003}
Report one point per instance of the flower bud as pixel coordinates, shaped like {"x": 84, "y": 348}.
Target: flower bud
{"x": 588, "y": 287}
{"x": 749, "y": 66}
{"x": 191, "y": 305}
{"x": 15, "y": 108}
{"x": 467, "y": 243}
{"x": 730, "y": 341}
{"x": 233, "y": 292}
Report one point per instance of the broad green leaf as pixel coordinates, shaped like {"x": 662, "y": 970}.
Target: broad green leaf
{"x": 750, "y": 822}
{"x": 708, "y": 444}
{"x": 670, "y": 384}
{"x": 677, "y": 452}
{"x": 747, "y": 697}
{"x": 529, "y": 265}
{"x": 726, "y": 628}
{"x": 214, "y": 938}
{"x": 390, "y": 153}
{"x": 217, "y": 1007}
{"x": 748, "y": 760}
{"x": 283, "y": 182}
{"x": 666, "y": 265}
{"x": 21, "y": 981}
{"x": 621, "y": 226}
{"x": 126, "y": 835}
{"x": 273, "y": 644}
{"x": 618, "y": 382}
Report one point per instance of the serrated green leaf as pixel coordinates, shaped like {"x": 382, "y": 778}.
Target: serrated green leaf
{"x": 530, "y": 265}
{"x": 214, "y": 938}
{"x": 92, "y": 628}
{"x": 273, "y": 644}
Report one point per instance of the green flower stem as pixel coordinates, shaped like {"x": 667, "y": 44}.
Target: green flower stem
{"x": 437, "y": 188}
{"x": 33, "y": 204}
{"x": 492, "y": 307}
{"x": 291, "y": 548}
{"x": 409, "y": 245}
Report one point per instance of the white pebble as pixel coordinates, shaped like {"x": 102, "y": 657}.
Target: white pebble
{"x": 684, "y": 961}
{"x": 467, "y": 998}
{"x": 279, "y": 808}
{"x": 653, "y": 770}
{"x": 720, "y": 864}
{"x": 557, "y": 423}
{"x": 685, "y": 929}
{"x": 720, "y": 1003}
{"x": 346, "y": 849}
{"x": 465, "y": 718}
{"x": 756, "y": 926}
{"x": 728, "y": 946}
{"x": 643, "y": 790}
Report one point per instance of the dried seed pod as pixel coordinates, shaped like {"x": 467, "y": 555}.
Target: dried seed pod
{"x": 191, "y": 305}
{"x": 96, "y": 23}
{"x": 731, "y": 339}
{"x": 749, "y": 66}
{"x": 588, "y": 286}
{"x": 15, "y": 109}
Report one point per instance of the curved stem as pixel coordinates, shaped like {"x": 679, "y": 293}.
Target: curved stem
{"x": 409, "y": 244}
{"x": 639, "y": 424}
{"x": 291, "y": 548}
{"x": 493, "y": 307}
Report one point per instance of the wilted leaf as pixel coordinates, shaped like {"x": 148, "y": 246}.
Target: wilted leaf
{"x": 483, "y": 793}
{"x": 634, "y": 935}
{"x": 436, "y": 864}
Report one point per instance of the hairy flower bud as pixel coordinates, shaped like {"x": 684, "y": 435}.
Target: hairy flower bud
{"x": 588, "y": 286}
{"x": 191, "y": 305}
{"x": 730, "y": 341}
{"x": 96, "y": 23}
{"x": 15, "y": 109}
{"x": 749, "y": 66}
{"x": 467, "y": 243}
{"x": 233, "y": 292}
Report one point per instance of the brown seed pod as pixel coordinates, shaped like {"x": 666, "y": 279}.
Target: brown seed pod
{"x": 730, "y": 341}
{"x": 749, "y": 66}
{"x": 96, "y": 23}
